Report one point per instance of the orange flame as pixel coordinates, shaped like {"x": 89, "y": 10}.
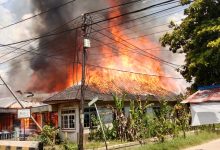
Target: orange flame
{"x": 131, "y": 61}
{"x": 129, "y": 58}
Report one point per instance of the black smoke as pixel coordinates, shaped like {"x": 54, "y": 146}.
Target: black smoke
{"x": 57, "y": 54}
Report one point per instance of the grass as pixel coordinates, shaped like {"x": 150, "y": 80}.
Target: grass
{"x": 94, "y": 144}
{"x": 88, "y": 145}
{"x": 171, "y": 144}
{"x": 181, "y": 143}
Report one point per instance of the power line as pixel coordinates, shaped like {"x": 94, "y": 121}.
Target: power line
{"x": 125, "y": 71}
{"x": 36, "y": 38}
{"x": 50, "y": 56}
{"x": 127, "y": 21}
{"x": 31, "y": 51}
{"x": 26, "y": 44}
{"x": 132, "y": 71}
{"x": 132, "y": 12}
{"x": 116, "y": 50}
{"x": 45, "y": 55}
{"x": 126, "y": 39}
{"x": 123, "y": 4}
{"x": 50, "y": 9}
{"x": 126, "y": 28}
{"x": 148, "y": 49}
{"x": 151, "y": 55}
{"x": 130, "y": 56}
{"x": 136, "y": 37}
{"x": 33, "y": 41}
{"x": 146, "y": 29}
{"x": 69, "y": 30}
{"x": 26, "y": 51}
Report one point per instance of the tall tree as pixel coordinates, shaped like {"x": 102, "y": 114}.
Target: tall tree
{"x": 198, "y": 36}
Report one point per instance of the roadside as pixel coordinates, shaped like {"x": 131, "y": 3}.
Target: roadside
{"x": 212, "y": 145}
{"x": 180, "y": 143}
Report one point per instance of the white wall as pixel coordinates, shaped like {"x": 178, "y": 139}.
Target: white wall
{"x": 69, "y": 134}
{"x": 105, "y": 113}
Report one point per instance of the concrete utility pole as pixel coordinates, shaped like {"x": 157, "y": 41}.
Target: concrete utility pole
{"x": 19, "y": 102}
{"x": 86, "y": 45}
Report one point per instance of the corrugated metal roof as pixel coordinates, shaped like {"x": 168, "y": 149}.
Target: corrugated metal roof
{"x": 7, "y": 102}
{"x": 74, "y": 93}
{"x": 10, "y": 102}
{"x": 209, "y": 95}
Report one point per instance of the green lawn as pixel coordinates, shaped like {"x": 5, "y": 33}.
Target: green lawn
{"x": 181, "y": 143}
{"x": 93, "y": 144}
{"x": 171, "y": 144}
{"x": 88, "y": 145}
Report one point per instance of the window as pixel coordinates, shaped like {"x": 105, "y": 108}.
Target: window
{"x": 68, "y": 119}
{"x": 156, "y": 110}
{"x": 88, "y": 113}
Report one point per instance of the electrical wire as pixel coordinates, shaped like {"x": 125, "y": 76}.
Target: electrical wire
{"x": 132, "y": 72}
{"x": 0, "y": 46}
{"x": 46, "y": 11}
{"x": 69, "y": 30}
{"x": 106, "y": 43}
{"x": 42, "y": 44}
{"x": 151, "y": 55}
{"x": 123, "y": 4}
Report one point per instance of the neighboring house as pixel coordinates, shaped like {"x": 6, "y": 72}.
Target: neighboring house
{"x": 205, "y": 105}
{"x": 9, "y": 123}
{"x": 67, "y": 103}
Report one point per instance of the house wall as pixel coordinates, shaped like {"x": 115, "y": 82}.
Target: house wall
{"x": 7, "y": 121}
{"x": 105, "y": 113}
{"x": 73, "y": 133}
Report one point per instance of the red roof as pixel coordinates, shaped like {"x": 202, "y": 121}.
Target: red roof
{"x": 209, "y": 95}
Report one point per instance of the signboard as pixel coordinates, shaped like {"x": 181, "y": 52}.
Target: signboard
{"x": 93, "y": 101}
{"x": 24, "y": 113}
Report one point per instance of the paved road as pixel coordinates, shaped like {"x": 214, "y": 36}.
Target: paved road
{"x": 212, "y": 145}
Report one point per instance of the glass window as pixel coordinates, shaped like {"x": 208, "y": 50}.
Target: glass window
{"x": 88, "y": 113}
{"x": 68, "y": 119}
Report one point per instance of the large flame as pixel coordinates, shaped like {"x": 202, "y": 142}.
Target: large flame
{"x": 130, "y": 59}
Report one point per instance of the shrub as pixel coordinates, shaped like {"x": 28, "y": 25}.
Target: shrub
{"x": 182, "y": 117}
{"x": 96, "y": 132}
{"x": 163, "y": 123}
{"x": 69, "y": 146}
{"x": 48, "y": 135}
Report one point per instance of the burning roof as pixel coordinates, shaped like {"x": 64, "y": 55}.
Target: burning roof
{"x": 125, "y": 61}
{"x": 74, "y": 93}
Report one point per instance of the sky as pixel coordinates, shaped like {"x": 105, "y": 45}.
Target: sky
{"x": 17, "y": 72}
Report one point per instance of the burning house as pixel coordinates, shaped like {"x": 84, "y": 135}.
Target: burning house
{"x": 119, "y": 54}
{"x": 119, "y": 59}
{"x": 67, "y": 103}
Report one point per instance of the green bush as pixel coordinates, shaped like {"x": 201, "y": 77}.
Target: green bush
{"x": 166, "y": 121}
{"x": 48, "y": 135}
{"x": 96, "y": 132}
{"x": 69, "y": 146}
